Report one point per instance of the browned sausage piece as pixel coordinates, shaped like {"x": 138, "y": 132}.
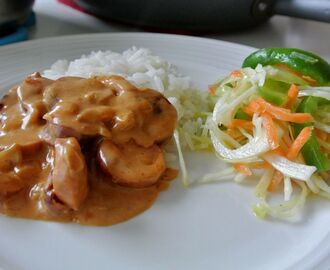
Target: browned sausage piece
{"x": 9, "y": 182}
{"x": 132, "y": 165}
{"x": 51, "y": 132}
{"x": 9, "y": 158}
{"x": 69, "y": 176}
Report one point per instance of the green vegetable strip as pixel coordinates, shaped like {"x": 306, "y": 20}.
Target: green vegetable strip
{"x": 240, "y": 114}
{"x": 301, "y": 61}
{"x": 274, "y": 92}
{"x": 311, "y": 150}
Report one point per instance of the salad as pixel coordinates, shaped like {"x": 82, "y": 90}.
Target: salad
{"x": 270, "y": 120}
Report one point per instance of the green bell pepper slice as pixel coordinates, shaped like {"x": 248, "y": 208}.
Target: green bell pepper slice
{"x": 240, "y": 114}
{"x": 274, "y": 92}
{"x": 306, "y": 63}
{"x": 311, "y": 150}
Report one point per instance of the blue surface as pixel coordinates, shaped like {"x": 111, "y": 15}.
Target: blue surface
{"x": 21, "y": 32}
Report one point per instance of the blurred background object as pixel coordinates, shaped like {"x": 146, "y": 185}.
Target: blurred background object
{"x": 66, "y": 17}
{"x": 207, "y": 15}
{"x": 15, "y": 17}
{"x": 13, "y": 13}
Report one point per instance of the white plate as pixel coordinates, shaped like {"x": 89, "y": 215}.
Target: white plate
{"x": 206, "y": 227}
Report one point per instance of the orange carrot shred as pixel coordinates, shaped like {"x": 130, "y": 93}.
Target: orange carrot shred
{"x": 293, "y": 92}
{"x": 234, "y": 133}
{"x": 299, "y": 142}
{"x": 260, "y": 106}
{"x": 241, "y": 139}
{"x": 212, "y": 88}
{"x": 241, "y": 123}
{"x": 292, "y": 95}
{"x": 310, "y": 80}
{"x": 284, "y": 145}
{"x": 244, "y": 169}
{"x": 271, "y": 131}
{"x": 253, "y": 107}
{"x": 307, "y": 79}
{"x": 262, "y": 165}
{"x": 236, "y": 73}
{"x": 278, "y": 151}
{"x": 321, "y": 134}
{"x": 276, "y": 181}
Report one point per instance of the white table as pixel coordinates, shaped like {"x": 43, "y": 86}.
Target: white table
{"x": 56, "y": 19}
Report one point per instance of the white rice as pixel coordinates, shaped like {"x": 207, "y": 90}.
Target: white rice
{"x": 137, "y": 65}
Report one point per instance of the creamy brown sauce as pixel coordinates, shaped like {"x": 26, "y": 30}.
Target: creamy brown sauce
{"x": 82, "y": 150}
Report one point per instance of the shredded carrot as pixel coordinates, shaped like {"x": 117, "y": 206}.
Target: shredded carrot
{"x": 284, "y": 145}
{"x": 308, "y": 79}
{"x": 271, "y": 131}
{"x": 293, "y": 92}
{"x": 276, "y": 181}
{"x": 236, "y": 73}
{"x": 292, "y": 95}
{"x": 212, "y": 88}
{"x": 253, "y": 107}
{"x": 261, "y": 165}
{"x": 321, "y": 134}
{"x": 241, "y": 139}
{"x": 286, "y": 68}
{"x": 241, "y": 123}
{"x": 244, "y": 169}
{"x": 278, "y": 151}
{"x": 234, "y": 133}
{"x": 260, "y": 106}
{"x": 299, "y": 142}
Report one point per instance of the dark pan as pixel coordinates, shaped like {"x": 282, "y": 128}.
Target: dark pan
{"x": 210, "y": 15}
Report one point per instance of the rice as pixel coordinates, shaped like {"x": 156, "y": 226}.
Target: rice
{"x": 137, "y": 65}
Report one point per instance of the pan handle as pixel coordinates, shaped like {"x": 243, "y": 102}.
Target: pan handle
{"x": 318, "y": 10}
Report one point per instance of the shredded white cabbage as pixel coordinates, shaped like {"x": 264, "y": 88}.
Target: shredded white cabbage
{"x": 257, "y": 76}
{"x": 225, "y": 174}
{"x": 287, "y": 210}
{"x": 290, "y": 168}
{"x": 261, "y": 188}
{"x": 321, "y": 184}
{"x": 323, "y": 92}
{"x": 193, "y": 107}
{"x": 322, "y": 126}
{"x": 246, "y": 153}
{"x": 287, "y": 188}
{"x": 225, "y": 108}
{"x": 181, "y": 160}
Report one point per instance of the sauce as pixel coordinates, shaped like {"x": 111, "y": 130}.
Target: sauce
{"x": 71, "y": 148}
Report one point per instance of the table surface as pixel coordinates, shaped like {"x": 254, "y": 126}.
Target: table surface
{"x": 54, "y": 19}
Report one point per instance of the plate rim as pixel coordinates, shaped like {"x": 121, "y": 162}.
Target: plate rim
{"x": 214, "y": 41}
